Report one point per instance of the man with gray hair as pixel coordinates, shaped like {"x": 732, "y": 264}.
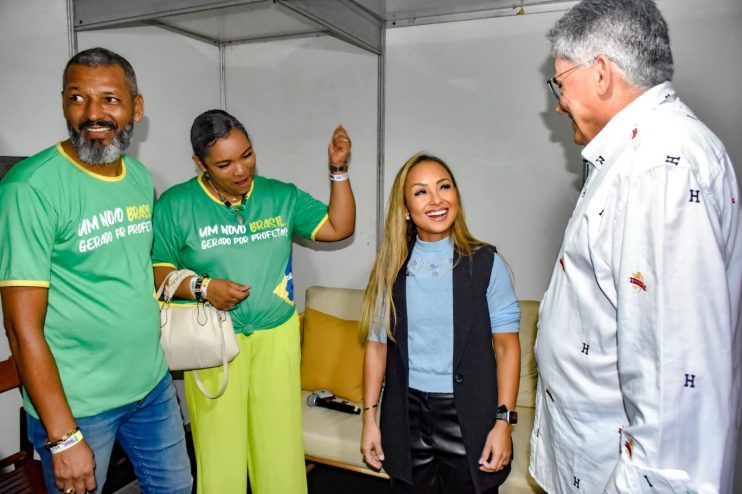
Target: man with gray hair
{"x": 76, "y": 285}
{"x": 639, "y": 343}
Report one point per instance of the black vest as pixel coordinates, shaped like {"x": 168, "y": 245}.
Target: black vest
{"x": 474, "y": 371}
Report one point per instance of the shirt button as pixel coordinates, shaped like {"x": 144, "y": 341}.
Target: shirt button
{"x": 459, "y": 378}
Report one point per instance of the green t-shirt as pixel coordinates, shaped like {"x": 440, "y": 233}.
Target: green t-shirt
{"x": 195, "y": 230}
{"x": 87, "y": 238}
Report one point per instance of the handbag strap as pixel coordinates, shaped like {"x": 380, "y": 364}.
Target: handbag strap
{"x": 171, "y": 283}
{"x": 225, "y": 368}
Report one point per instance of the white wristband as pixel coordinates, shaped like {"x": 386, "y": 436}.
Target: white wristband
{"x": 67, "y": 443}
{"x": 205, "y": 286}
{"x": 339, "y": 178}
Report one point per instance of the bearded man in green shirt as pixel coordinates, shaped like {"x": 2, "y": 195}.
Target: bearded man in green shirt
{"x": 76, "y": 287}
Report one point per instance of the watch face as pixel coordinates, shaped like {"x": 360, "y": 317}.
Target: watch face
{"x": 508, "y": 416}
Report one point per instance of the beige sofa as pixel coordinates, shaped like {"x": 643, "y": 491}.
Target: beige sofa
{"x": 332, "y": 437}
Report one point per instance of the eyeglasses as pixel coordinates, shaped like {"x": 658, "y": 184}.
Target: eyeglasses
{"x": 556, "y": 86}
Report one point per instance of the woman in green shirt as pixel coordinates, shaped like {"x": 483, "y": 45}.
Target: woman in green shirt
{"x": 238, "y": 227}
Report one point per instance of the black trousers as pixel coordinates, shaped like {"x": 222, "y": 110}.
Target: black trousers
{"x": 439, "y": 464}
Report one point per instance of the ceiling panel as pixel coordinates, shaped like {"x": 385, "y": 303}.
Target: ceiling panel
{"x": 243, "y": 23}
{"x": 229, "y": 21}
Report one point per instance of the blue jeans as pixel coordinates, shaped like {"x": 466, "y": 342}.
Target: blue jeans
{"x": 151, "y": 433}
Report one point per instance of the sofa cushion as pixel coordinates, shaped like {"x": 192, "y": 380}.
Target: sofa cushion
{"x": 344, "y": 303}
{"x": 528, "y": 369}
{"x": 331, "y": 355}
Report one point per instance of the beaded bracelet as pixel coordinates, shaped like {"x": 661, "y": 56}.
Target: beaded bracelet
{"x": 197, "y": 290}
{"x": 193, "y": 285}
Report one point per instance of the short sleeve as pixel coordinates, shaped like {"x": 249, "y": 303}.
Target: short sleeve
{"x": 377, "y": 331}
{"x": 28, "y": 226}
{"x": 503, "y": 306}
{"x": 166, "y": 247}
{"x": 309, "y": 215}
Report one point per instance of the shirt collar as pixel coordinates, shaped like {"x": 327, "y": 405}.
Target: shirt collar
{"x": 442, "y": 245}
{"x": 623, "y": 126}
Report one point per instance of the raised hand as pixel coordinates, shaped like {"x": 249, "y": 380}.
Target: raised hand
{"x": 338, "y": 151}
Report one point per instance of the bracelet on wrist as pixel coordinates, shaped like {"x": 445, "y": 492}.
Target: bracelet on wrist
{"x": 338, "y": 168}
{"x": 339, "y": 178}
{"x": 198, "y": 289}
{"x": 204, "y": 287}
{"x": 193, "y": 285}
{"x": 370, "y": 407}
{"x": 67, "y": 441}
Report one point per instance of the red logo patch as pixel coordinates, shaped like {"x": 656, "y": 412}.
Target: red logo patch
{"x": 629, "y": 445}
{"x": 637, "y": 279}
{"x": 634, "y": 132}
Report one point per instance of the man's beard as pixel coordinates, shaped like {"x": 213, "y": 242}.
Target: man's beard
{"x": 95, "y": 153}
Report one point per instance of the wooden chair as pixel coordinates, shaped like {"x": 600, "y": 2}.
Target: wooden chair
{"x": 19, "y": 472}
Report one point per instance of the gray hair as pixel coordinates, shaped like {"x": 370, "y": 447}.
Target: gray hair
{"x": 632, "y": 33}
{"x": 94, "y": 57}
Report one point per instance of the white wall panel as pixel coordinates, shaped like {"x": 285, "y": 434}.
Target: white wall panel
{"x": 290, "y": 95}
{"x": 473, "y": 93}
{"x": 33, "y": 52}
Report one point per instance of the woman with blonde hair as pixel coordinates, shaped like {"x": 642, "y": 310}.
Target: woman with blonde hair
{"x": 441, "y": 320}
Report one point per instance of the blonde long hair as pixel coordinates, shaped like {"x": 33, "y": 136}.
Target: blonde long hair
{"x": 398, "y": 237}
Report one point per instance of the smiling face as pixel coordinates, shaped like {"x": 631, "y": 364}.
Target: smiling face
{"x": 431, "y": 200}
{"x": 100, "y": 110}
{"x": 230, "y": 162}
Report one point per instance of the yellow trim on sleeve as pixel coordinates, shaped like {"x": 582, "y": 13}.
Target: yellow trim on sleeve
{"x": 164, "y": 265}
{"x": 36, "y": 283}
{"x": 319, "y": 226}
{"x": 117, "y": 178}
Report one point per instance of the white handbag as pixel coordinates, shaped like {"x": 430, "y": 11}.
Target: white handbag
{"x": 195, "y": 335}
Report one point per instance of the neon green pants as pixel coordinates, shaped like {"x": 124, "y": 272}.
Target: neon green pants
{"x": 255, "y": 426}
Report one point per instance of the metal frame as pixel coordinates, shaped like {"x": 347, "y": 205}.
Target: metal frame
{"x": 533, "y": 7}
{"x": 343, "y": 19}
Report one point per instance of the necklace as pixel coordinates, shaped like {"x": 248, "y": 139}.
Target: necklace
{"x": 236, "y": 210}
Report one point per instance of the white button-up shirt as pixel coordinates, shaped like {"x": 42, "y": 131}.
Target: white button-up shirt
{"x": 639, "y": 340}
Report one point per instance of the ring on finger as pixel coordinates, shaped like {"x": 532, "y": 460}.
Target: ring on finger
{"x": 69, "y": 491}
